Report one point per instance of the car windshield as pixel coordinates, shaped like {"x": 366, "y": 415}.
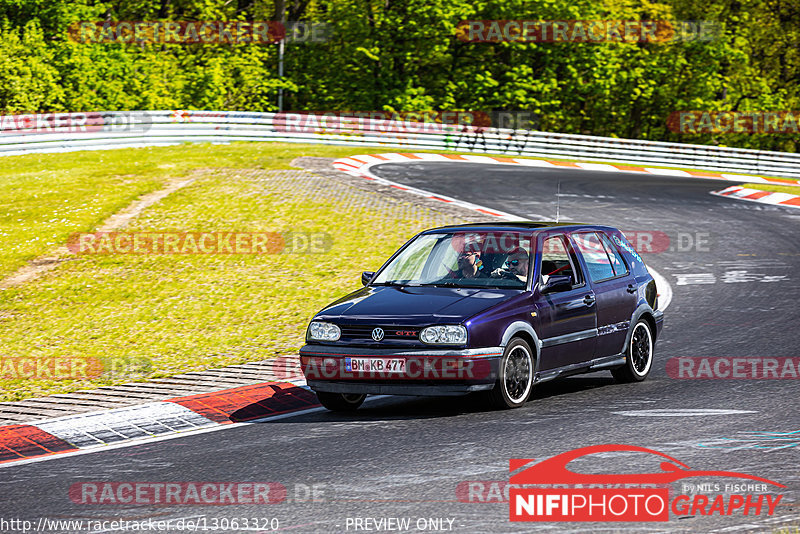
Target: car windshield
{"x": 461, "y": 259}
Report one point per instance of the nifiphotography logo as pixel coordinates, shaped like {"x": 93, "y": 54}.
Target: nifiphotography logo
{"x": 565, "y": 495}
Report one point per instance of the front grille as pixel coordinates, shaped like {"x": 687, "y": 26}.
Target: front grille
{"x": 391, "y": 332}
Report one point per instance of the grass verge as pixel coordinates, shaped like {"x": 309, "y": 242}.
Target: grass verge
{"x": 157, "y": 315}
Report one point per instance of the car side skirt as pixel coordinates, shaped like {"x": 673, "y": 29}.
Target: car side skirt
{"x": 598, "y": 364}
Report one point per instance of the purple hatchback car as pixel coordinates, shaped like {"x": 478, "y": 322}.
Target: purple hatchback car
{"x": 489, "y": 307}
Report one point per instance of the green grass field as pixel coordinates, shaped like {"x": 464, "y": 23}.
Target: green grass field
{"x": 167, "y": 314}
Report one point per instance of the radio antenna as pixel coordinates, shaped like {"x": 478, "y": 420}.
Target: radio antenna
{"x": 558, "y": 201}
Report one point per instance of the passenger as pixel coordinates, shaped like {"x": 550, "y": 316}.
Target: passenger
{"x": 515, "y": 267}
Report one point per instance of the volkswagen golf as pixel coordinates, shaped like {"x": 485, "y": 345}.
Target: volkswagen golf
{"x": 494, "y": 308}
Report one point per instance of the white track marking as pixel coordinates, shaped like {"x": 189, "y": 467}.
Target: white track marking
{"x": 597, "y": 167}
{"x": 681, "y": 412}
{"x": 668, "y": 172}
{"x": 134, "y": 422}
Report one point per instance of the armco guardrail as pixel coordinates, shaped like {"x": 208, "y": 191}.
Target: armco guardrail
{"x": 64, "y": 132}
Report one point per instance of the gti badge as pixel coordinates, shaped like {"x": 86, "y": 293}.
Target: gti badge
{"x": 377, "y": 334}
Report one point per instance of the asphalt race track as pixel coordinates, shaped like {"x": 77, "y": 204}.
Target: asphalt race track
{"x": 735, "y": 295}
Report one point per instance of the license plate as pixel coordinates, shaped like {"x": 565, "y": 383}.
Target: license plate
{"x": 375, "y": 365}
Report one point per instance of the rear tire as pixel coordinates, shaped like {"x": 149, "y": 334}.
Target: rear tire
{"x": 639, "y": 359}
{"x": 340, "y": 402}
{"x": 515, "y": 383}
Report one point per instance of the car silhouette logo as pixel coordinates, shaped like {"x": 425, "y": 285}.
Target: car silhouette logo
{"x": 554, "y": 470}
{"x": 377, "y": 334}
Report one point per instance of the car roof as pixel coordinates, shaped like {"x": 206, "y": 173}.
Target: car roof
{"x": 518, "y": 225}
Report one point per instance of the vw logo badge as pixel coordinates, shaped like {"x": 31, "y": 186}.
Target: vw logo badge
{"x": 377, "y": 334}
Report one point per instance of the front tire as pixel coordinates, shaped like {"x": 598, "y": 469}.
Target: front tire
{"x": 639, "y": 359}
{"x": 515, "y": 383}
{"x": 340, "y": 402}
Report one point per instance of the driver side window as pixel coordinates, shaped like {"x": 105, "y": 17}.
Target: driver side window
{"x": 556, "y": 260}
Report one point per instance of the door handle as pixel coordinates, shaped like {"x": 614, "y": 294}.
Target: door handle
{"x": 631, "y": 288}
{"x": 589, "y": 300}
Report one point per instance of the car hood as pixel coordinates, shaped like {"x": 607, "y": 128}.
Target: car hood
{"x": 409, "y": 305}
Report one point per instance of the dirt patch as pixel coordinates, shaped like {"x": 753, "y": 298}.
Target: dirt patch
{"x": 49, "y": 261}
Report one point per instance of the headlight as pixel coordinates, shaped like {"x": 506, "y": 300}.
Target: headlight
{"x": 324, "y": 331}
{"x": 444, "y": 335}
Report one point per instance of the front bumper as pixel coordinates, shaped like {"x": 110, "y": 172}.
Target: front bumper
{"x": 425, "y": 371}
{"x": 421, "y": 390}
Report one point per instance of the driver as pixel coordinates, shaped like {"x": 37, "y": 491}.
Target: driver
{"x": 469, "y": 265}
{"x": 515, "y": 267}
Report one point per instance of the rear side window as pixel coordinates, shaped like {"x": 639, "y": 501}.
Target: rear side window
{"x": 598, "y": 262}
{"x": 618, "y": 264}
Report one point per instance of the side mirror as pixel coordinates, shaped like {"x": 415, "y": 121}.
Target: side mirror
{"x": 366, "y": 276}
{"x": 557, "y": 283}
